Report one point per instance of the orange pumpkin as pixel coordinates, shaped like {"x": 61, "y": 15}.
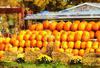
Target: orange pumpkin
{"x": 2, "y": 46}
{"x": 89, "y": 44}
{"x": 32, "y": 27}
{"x": 85, "y": 36}
{"x": 33, "y": 43}
{"x": 20, "y": 37}
{"x": 60, "y": 25}
{"x": 81, "y": 52}
{"x": 57, "y": 44}
{"x": 45, "y": 43}
{"x": 57, "y": 36}
{"x": 98, "y": 51}
{"x": 51, "y": 38}
{"x": 64, "y": 45}
{"x": 54, "y": 32}
{"x": 64, "y": 36}
{"x": 82, "y": 26}
{"x": 16, "y": 43}
{"x": 39, "y": 44}
{"x": 88, "y": 27}
{"x": 92, "y": 50}
{"x": 39, "y": 37}
{"x": 52, "y": 26}
{"x": 95, "y": 26}
{"x": 22, "y": 43}
{"x": 91, "y": 35}
{"x": 98, "y": 35}
{"x": 74, "y": 26}
{"x": 75, "y": 52}
{"x": 6, "y": 40}
{"x": 27, "y": 43}
{"x": 95, "y": 45}
{"x": 71, "y": 36}
{"x": 45, "y": 38}
{"x": 32, "y": 37}
{"x": 26, "y": 36}
{"x": 71, "y": 45}
{"x": 46, "y": 24}
{"x": 39, "y": 27}
{"x": 83, "y": 45}
{"x": 77, "y": 44}
{"x": 67, "y": 26}
{"x": 78, "y": 35}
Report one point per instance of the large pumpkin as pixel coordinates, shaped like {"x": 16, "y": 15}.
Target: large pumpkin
{"x": 46, "y": 24}
{"x": 78, "y": 35}
{"x": 82, "y": 26}
{"x": 27, "y": 43}
{"x": 39, "y": 44}
{"x": 92, "y": 34}
{"x": 52, "y": 25}
{"x": 32, "y": 27}
{"x": 39, "y": 27}
{"x": 67, "y": 26}
{"x": 77, "y": 45}
{"x": 33, "y": 43}
{"x": 60, "y": 25}
{"x": 95, "y": 26}
{"x": 85, "y": 36}
{"x": 88, "y": 27}
{"x": 74, "y": 27}
{"x": 71, "y": 36}
{"x": 64, "y": 36}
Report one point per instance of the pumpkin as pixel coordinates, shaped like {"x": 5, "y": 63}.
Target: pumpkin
{"x": 83, "y": 45}
{"x": 91, "y": 34}
{"x": 33, "y": 43}
{"x": 95, "y": 26}
{"x": 20, "y": 37}
{"x": 22, "y": 43}
{"x": 60, "y": 25}
{"x": 82, "y": 26}
{"x": 2, "y": 46}
{"x": 77, "y": 45}
{"x": 32, "y": 27}
{"x": 88, "y": 27}
{"x": 74, "y": 26}
{"x": 95, "y": 45}
{"x": 45, "y": 44}
{"x": 16, "y": 43}
{"x": 67, "y": 26}
{"x": 39, "y": 37}
{"x": 32, "y": 37}
{"x": 85, "y": 36}
{"x": 89, "y": 44}
{"x": 64, "y": 45}
{"x": 27, "y": 43}
{"x": 75, "y": 52}
{"x": 78, "y": 35}
{"x": 98, "y": 51}
{"x": 71, "y": 36}
{"x": 64, "y": 36}
{"x": 39, "y": 27}
{"x": 52, "y": 25}
{"x": 71, "y": 45}
{"x": 81, "y": 52}
{"x": 57, "y": 36}
{"x": 51, "y": 38}
{"x": 39, "y": 44}
{"x": 26, "y": 36}
{"x": 46, "y": 24}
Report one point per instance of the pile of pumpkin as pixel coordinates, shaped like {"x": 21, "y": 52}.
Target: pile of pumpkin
{"x": 77, "y": 37}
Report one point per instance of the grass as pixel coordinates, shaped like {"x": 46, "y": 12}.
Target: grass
{"x": 31, "y": 65}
